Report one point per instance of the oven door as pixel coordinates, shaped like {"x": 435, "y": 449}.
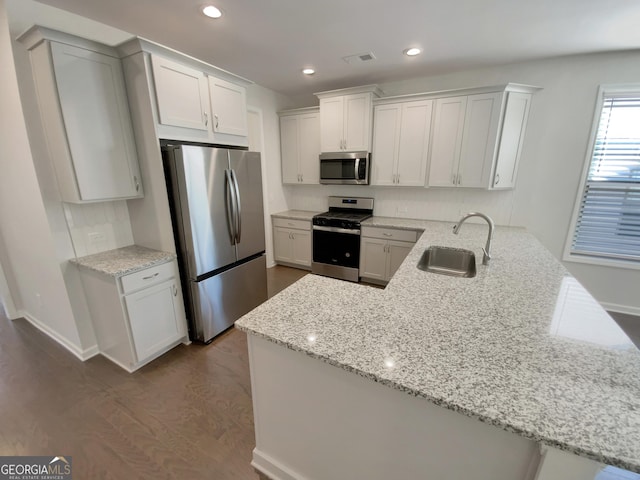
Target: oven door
{"x": 336, "y": 246}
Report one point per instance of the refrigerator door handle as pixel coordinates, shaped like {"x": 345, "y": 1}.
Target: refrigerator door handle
{"x": 231, "y": 205}
{"x": 238, "y": 206}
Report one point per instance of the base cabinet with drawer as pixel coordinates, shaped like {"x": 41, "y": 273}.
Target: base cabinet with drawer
{"x": 136, "y": 317}
{"x": 382, "y": 251}
{"x": 292, "y": 242}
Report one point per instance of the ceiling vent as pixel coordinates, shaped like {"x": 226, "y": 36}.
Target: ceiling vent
{"x": 359, "y": 58}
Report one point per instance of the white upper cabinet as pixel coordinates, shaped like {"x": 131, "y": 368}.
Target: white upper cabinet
{"x": 182, "y": 94}
{"x": 477, "y": 139}
{"x": 85, "y": 116}
{"x": 300, "y": 146}
{"x": 346, "y": 119}
{"x": 401, "y": 143}
{"x": 510, "y": 147}
{"x": 194, "y": 104}
{"x": 228, "y": 108}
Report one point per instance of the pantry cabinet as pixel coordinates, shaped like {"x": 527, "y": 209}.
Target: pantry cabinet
{"x": 346, "y": 119}
{"x": 477, "y": 139}
{"x": 292, "y": 242}
{"x": 138, "y": 316}
{"x": 85, "y": 116}
{"x": 300, "y": 146}
{"x": 401, "y": 135}
{"x": 382, "y": 251}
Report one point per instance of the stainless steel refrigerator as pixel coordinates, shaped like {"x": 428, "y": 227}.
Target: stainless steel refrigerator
{"x": 215, "y": 196}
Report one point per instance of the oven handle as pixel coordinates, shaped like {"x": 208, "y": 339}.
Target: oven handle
{"x": 337, "y": 230}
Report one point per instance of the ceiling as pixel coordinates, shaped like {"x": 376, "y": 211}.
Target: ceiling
{"x": 269, "y": 42}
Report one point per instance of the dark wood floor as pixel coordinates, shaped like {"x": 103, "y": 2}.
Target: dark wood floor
{"x": 187, "y": 415}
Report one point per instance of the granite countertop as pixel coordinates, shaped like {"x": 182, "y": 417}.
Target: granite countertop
{"x": 502, "y": 347}
{"x": 123, "y": 261}
{"x": 295, "y": 214}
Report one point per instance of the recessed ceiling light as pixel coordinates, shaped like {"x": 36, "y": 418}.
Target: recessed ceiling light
{"x": 308, "y": 71}
{"x": 412, "y": 52}
{"x": 211, "y": 11}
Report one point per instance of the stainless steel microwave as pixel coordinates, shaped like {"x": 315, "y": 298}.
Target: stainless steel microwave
{"x": 348, "y": 168}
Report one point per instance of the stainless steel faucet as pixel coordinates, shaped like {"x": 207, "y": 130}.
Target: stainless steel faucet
{"x": 487, "y": 249}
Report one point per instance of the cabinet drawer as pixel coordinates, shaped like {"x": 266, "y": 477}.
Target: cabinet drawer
{"x": 149, "y": 276}
{"x": 390, "y": 234}
{"x": 288, "y": 223}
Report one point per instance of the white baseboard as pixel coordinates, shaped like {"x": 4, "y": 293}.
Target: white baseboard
{"x": 81, "y": 354}
{"x": 272, "y": 468}
{"x": 612, "y": 307}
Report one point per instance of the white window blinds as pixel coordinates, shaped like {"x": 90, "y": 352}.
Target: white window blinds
{"x": 608, "y": 221}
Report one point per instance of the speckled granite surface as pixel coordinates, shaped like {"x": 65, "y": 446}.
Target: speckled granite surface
{"x": 296, "y": 214}
{"x": 502, "y": 347}
{"x": 123, "y": 261}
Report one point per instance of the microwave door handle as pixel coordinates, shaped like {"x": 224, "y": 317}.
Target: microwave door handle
{"x": 357, "y": 169}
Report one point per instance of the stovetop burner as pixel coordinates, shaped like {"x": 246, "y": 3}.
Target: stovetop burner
{"x": 345, "y": 212}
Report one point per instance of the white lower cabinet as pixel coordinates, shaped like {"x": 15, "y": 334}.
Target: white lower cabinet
{"x": 292, "y": 242}
{"x": 137, "y": 317}
{"x": 382, "y": 251}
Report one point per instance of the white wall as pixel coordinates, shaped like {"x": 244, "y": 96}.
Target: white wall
{"x": 551, "y": 165}
{"x": 29, "y": 244}
{"x": 268, "y": 103}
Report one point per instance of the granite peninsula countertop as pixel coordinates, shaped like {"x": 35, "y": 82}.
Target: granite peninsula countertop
{"x": 123, "y": 261}
{"x": 502, "y": 347}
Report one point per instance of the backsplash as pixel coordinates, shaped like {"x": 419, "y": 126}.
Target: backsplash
{"x": 447, "y": 204}
{"x": 97, "y": 227}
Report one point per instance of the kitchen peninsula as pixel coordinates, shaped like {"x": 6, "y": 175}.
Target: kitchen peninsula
{"x": 351, "y": 381}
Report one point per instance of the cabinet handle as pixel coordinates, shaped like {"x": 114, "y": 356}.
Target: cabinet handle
{"x": 216, "y": 118}
{"x": 398, "y": 178}
{"x": 175, "y": 291}
{"x": 206, "y": 119}
{"x": 135, "y": 180}
{"x": 459, "y": 179}
{"x": 301, "y": 177}
{"x": 151, "y": 276}
{"x": 453, "y": 178}
{"x": 497, "y": 178}
{"x": 387, "y": 234}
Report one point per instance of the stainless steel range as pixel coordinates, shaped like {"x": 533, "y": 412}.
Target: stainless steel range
{"x": 336, "y": 237}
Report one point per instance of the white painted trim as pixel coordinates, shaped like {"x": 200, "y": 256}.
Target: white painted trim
{"x": 567, "y": 256}
{"x": 83, "y": 355}
{"x": 298, "y": 111}
{"x": 272, "y": 468}
{"x": 5, "y": 297}
{"x": 614, "y": 307}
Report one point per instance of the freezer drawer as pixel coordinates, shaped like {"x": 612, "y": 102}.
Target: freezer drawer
{"x": 222, "y": 299}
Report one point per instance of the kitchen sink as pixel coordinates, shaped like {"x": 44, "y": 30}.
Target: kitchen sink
{"x": 456, "y": 262}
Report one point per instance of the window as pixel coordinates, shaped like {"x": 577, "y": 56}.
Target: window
{"x": 606, "y": 223}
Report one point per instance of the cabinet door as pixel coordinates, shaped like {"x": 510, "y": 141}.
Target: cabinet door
{"x": 154, "y": 318}
{"x": 331, "y": 124}
{"x": 514, "y": 125}
{"x": 414, "y": 143}
{"x": 97, "y": 122}
{"x": 301, "y": 247}
{"x": 447, "y": 141}
{"x": 309, "y": 148}
{"x": 373, "y": 258}
{"x": 397, "y": 252}
{"x": 181, "y": 93}
{"x": 282, "y": 245}
{"x": 386, "y": 138}
{"x": 479, "y": 140}
{"x": 357, "y": 122}
{"x": 228, "y": 107}
{"x": 289, "y": 149}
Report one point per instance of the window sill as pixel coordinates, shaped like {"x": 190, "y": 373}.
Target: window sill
{"x": 603, "y": 262}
